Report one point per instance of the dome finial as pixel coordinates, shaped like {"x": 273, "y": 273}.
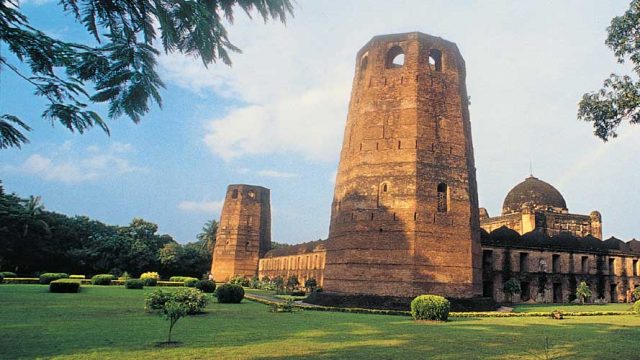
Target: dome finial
{"x": 530, "y": 168}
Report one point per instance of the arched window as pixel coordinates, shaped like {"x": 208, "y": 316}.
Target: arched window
{"x": 234, "y": 194}
{"x": 395, "y": 57}
{"x": 443, "y": 198}
{"x": 435, "y": 60}
{"x": 385, "y": 188}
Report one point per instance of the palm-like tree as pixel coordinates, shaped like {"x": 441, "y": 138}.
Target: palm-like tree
{"x": 32, "y": 209}
{"x": 208, "y": 235}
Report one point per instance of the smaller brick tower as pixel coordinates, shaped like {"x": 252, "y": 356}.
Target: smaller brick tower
{"x": 244, "y": 232}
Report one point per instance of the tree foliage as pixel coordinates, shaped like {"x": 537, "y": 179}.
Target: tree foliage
{"x": 120, "y": 67}
{"x": 207, "y": 236}
{"x": 583, "y": 292}
{"x": 33, "y": 240}
{"x": 619, "y": 98}
{"x": 512, "y": 287}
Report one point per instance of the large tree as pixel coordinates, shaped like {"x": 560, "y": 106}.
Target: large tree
{"x": 120, "y": 67}
{"x": 619, "y": 98}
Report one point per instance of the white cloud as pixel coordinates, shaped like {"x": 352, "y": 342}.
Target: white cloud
{"x": 63, "y": 165}
{"x": 292, "y": 101}
{"x": 276, "y": 174}
{"x": 201, "y": 206}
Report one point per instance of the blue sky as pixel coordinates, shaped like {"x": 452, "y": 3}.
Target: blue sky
{"x": 276, "y": 117}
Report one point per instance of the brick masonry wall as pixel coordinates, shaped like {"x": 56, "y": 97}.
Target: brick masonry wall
{"x": 244, "y": 232}
{"x": 541, "y": 274}
{"x": 407, "y": 131}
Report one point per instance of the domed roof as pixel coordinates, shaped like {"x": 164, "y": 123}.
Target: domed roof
{"x": 535, "y": 192}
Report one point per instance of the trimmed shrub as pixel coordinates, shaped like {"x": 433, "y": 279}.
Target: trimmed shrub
{"x": 190, "y": 282}
{"x": 77, "y": 277}
{"x": 430, "y": 307}
{"x": 149, "y": 281}
{"x": 47, "y": 278}
{"x": 150, "y": 275}
{"x": 133, "y": 284}
{"x": 1, "y": 278}
{"x": 179, "y": 278}
{"x": 193, "y": 299}
{"x": 230, "y": 294}
{"x": 206, "y": 286}
{"x": 636, "y": 307}
{"x": 64, "y": 286}
{"x": 298, "y": 293}
{"x": 21, "y": 280}
{"x": 102, "y": 279}
{"x": 125, "y": 276}
{"x": 240, "y": 280}
{"x": 8, "y": 274}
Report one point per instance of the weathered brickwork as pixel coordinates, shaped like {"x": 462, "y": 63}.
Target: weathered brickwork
{"x": 305, "y": 261}
{"x": 550, "y": 276}
{"x": 404, "y": 218}
{"x": 244, "y": 232}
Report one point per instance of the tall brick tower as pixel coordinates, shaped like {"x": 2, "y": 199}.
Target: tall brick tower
{"x": 244, "y": 232}
{"x": 404, "y": 218}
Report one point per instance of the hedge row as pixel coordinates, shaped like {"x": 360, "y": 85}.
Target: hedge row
{"x": 64, "y": 286}
{"x": 537, "y": 314}
{"x": 47, "y": 278}
{"x": 22, "y": 280}
{"x": 330, "y": 308}
{"x": 451, "y": 314}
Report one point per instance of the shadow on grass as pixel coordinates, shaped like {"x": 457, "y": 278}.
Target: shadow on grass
{"x": 111, "y": 323}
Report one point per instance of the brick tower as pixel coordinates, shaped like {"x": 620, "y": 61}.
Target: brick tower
{"x": 404, "y": 218}
{"x": 244, "y": 232}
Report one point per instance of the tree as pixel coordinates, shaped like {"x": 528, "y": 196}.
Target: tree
{"x": 292, "y": 282}
{"x": 208, "y": 235}
{"x": 583, "y": 292}
{"x": 173, "y": 311}
{"x": 511, "y": 288}
{"x": 619, "y": 98}
{"x": 311, "y": 284}
{"x": 120, "y": 67}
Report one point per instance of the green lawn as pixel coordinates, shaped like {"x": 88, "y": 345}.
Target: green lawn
{"x": 109, "y": 322}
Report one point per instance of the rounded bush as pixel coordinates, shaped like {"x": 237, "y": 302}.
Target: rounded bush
{"x": 150, "y": 275}
{"x": 430, "y": 307}
{"x": 133, "y": 284}
{"x": 230, "y": 293}
{"x": 149, "y": 281}
{"x": 636, "y": 307}
{"x": 8, "y": 274}
{"x": 190, "y": 282}
{"x": 206, "y": 286}
{"x": 77, "y": 277}
{"x": 179, "y": 278}
{"x": 102, "y": 279}
{"x": 64, "y": 286}
{"x": 47, "y": 278}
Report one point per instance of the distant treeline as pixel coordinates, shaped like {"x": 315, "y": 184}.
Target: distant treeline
{"x": 33, "y": 240}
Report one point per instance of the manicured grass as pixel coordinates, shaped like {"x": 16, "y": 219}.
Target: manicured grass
{"x": 570, "y": 307}
{"x": 109, "y": 322}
